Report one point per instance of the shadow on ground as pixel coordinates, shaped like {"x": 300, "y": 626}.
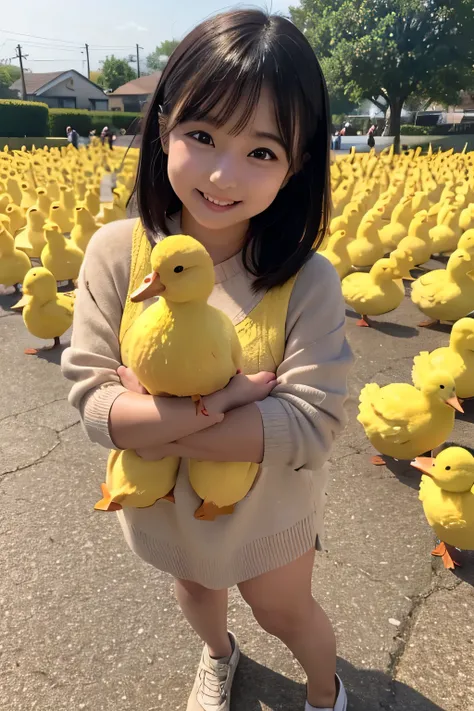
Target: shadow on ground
{"x": 368, "y": 690}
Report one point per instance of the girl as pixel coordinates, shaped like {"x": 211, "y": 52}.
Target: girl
{"x": 235, "y": 152}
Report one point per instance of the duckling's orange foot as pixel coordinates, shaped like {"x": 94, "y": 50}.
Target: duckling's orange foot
{"x": 428, "y": 323}
{"x": 35, "y": 351}
{"x": 363, "y": 322}
{"x": 378, "y": 461}
{"x": 170, "y": 496}
{"x": 447, "y": 555}
{"x": 106, "y": 503}
{"x": 209, "y": 511}
{"x": 200, "y": 406}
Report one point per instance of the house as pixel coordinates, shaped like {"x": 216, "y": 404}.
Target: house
{"x": 63, "y": 90}
{"x": 133, "y": 95}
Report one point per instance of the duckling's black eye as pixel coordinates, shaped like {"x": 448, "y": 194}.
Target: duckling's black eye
{"x": 441, "y": 387}
{"x": 179, "y": 269}
{"x": 447, "y": 468}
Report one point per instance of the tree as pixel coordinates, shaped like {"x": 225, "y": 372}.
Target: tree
{"x": 8, "y": 74}
{"x": 156, "y": 60}
{"x": 115, "y": 72}
{"x": 95, "y": 76}
{"x": 394, "y": 49}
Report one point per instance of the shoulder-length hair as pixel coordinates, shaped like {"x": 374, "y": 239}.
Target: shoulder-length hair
{"x": 221, "y": 67}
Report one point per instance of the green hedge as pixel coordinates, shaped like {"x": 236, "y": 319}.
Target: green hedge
{"x": 85, "y": 121}
{"x": 408, "y": 129}
{"x": 23, "y": 118}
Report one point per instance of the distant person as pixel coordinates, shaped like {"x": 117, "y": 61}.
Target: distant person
{"x": 107, "y": 135}
{"x": 72, "y": 136}
{"x": 371, "y": 137}
{"x": 337, "y": 141}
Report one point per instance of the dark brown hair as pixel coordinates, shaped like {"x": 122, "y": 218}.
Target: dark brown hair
{"x": 221, "y": 66}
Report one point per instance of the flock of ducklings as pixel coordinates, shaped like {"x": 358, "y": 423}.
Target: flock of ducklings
{"x": 391, "y": 215}
{"x": 49, "y": 209}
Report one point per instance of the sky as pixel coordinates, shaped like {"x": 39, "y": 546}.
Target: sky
{"x": 53, "y": 33}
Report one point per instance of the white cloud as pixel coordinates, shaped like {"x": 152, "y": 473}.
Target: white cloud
{"x": 132, "y": 26}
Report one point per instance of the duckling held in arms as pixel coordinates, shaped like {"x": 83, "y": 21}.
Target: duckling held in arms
{"x": 157, "y": 350}
{"x": 447, "y": 495}
{"x": 403, "y": 422}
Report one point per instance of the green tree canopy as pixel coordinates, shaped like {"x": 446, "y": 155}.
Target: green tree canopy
{"x": 115, "y": 72}
{"x": 158, "y": 58}
{"x": 8, "y": 74}
{"x": 395, "y": 49}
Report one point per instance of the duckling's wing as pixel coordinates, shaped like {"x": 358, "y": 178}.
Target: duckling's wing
{"x": 421, "y": 367}
{"x": 357, "y": 287}
{"x": 401, "y": 410}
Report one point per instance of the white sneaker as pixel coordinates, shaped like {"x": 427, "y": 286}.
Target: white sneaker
{"x": 341, "y": 699}
{"x": 213, "y": 683}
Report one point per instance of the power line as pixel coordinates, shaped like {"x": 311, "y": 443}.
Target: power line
{"x": 48, "y": 39}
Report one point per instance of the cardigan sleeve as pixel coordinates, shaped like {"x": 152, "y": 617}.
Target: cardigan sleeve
{"x": 92, "y": 360}
{"x": 305, "y": 411}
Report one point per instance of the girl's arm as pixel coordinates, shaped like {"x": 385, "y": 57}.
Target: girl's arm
{"x": 295, "y": 426}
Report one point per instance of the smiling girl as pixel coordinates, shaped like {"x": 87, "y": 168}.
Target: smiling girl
{"x": 235, "y": 152}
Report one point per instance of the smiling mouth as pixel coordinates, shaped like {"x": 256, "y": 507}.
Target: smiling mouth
{"x": 219, "y": 203}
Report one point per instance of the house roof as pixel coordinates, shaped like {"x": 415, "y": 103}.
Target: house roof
{"x": 38, "y": 83}
{"x": 138, "y": 87}
{"x": 35, "y": 81}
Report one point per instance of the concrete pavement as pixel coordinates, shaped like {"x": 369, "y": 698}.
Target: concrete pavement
{"x": 85, "y": 624}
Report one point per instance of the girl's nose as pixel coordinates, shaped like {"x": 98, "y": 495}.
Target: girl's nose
{"x": 224, "y": 175}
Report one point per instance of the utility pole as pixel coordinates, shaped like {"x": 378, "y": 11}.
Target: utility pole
{"x": 138, "y": 60}
{"x": 88, "y": 63}
{"x": 23, "y": 85}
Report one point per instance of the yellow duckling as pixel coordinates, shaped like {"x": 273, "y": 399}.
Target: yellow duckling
{"x": 43, "y": 202}
{"x": 5, "y": 200}
{"x": 336, "y": 252}
{"x": 367, "y": 248}
{"x": 466, "y": 241}
{"x": 84, "y": 227}
{"x": 17, "y": 218}
{"x": 403, "y": 422}
{"x": 46, "y": 313}
{"x": 446, "y": 294}
{"x": 445, "y": 236}
{"x": 60, "y": 255}
{"x": 418, "y": 241}
{"x": 456, "y": 359}
{"x": 466, "y": 218}
{"x": 31, "y": 240}
{"x": 60, "y": 216}
{"x": 447, "y": 495}
{"x": 376, "y": 292}
{"x": 391, "y": 234}
{"x": 157, "y": 351}
{"x": 92, "y": 200}
{"x": 14, "y": 264}
{"x": 28, "y": 195}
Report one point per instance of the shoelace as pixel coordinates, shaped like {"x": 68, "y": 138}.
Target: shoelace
{"x": 212, "y": 686}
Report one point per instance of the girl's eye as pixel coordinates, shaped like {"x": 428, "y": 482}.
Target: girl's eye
{"x": 202, "y": 137}
{"x": 263, "y": 154}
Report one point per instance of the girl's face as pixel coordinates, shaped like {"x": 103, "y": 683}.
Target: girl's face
{"x": 223, "y": 179}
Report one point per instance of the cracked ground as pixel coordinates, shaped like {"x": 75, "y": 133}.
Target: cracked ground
{"x": 85, "y": 624}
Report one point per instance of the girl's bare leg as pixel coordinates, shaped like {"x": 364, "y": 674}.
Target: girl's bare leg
{"x": 283, "y": 605}
{"x": 206, "y": 612}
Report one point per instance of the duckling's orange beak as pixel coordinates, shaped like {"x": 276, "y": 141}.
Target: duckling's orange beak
{"x": 424, "y": 464}
{"x": 454, "y": 402}
{"x": 150, "y": 286}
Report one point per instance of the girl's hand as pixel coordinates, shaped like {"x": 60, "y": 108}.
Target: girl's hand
{"x": 246, "y": 389}
{"x": 130, "y": 381}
